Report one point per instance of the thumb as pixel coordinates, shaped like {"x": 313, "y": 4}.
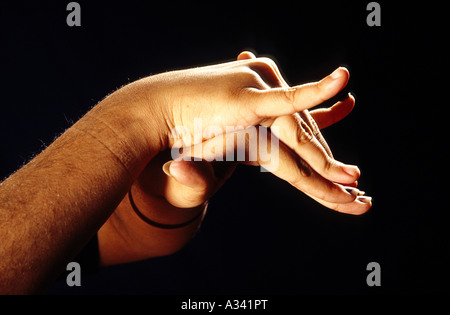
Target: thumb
{"x": 189, "y": 183}
{"x": 196, "y": 175}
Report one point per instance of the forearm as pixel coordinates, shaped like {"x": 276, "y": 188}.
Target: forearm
{"x": 52, "y": 206}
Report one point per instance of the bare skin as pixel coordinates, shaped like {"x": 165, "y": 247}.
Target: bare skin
{"x": 79, "y": 185}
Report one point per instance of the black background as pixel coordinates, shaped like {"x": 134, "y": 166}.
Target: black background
{"x": 260, "y": 235}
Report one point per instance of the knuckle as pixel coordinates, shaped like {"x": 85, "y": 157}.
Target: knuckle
{"x": 268, "y": 62}
{"x": 264, "y": 61}
{"x": 329, "y": 164}
{"x": 250, "y": 78}
{"x": 288, "y": 96}
{"x": 320, "y": 91}
{"x": 268, "y": 70}
{"x": 303, "y": 137}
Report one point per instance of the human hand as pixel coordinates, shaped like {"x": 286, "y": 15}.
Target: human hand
{"x": 300, "y": 133}
{"x": 248, "y": 92}
{"x": 312, "y": 148}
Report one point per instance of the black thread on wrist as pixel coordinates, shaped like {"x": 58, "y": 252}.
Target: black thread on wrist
{"x": 156, "y": 224}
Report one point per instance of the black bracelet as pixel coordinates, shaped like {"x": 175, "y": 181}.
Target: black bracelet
{"x": 156, "y": 224}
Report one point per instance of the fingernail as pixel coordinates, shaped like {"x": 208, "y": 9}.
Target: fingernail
{"x": 354, "y": 191}
{"x": 166, "y": 167}
{"x": 365, "y": 199}
{"x": 336, "y": 73}
{"x": 351, "y": 170}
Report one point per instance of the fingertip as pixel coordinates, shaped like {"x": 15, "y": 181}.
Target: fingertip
{"x": 350, "y": 102}
{"x": 342, "y": 173}
{"x": 342, "y": 68}
{"x": 325, "y": 117}
{"x": 196, "y": 175}
{"x": 351, "y": 170}
{"x": 189, "y": 183}
{"x": 336, "y": 81}
{"x": 359, "y": 206}
{"x": 246, "y": 55}
{"x": 365, "y": 204}
{"x": 339, "y": 72}
{"x": 353, "y": 184}
{"x": 346, "y": 104}
{"x": 351, "y": 97}
{"x": 365, "y": 199}
{"x": 166, "y": 168}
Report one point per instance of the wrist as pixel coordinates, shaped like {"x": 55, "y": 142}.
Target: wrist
{"x": 173, "y": 220}
{"x": 157, "y": 209}
{"x": 128, "y": 125}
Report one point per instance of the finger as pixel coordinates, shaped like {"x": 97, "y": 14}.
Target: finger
{"x": 276, "y": 157}
{"x": 325, "y": 117}
{"x": 298, "y": 173}
{"x": 306, "y": 116}
{"x": 268, "y": 71}
{"x": 152, "y": 188}
{"x": 191, "y": 183}
{"x": 289, "y": 100}
{"x": 354, "y": 184}
{"x": 188, "y": 184}
{"x": 359, "y": 206}
{"x": 246, "y": 55}
{"x": 265, "y": 65}
{"x": 296, "y": 134}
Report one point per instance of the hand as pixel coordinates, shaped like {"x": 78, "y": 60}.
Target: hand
{"x": 311, "y": 177}
{"x": 248, "y": 92}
